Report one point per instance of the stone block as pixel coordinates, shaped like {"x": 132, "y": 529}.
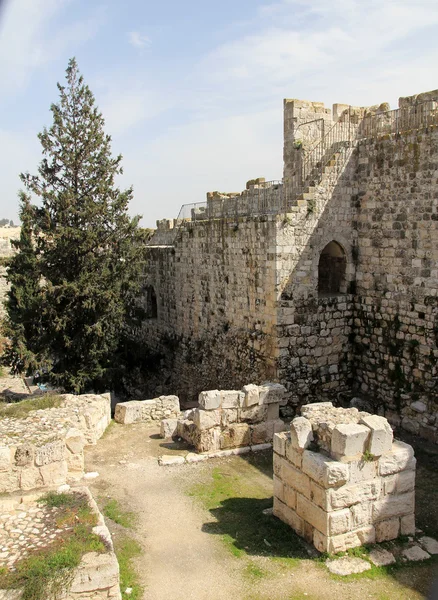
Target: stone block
{"x": 236, "y": 435}
{"x": 387, "y": 530}
{"x": 405, "y": 481}
{"x": 75, "y": 441}
{"x": 24, "y": 455}
{"x": 362, "y": 470}
{"x": 228, "y": 416}
{"x": 5, "y": 459}
{"x": 30, "y": 478}
{"x": 339, "y": 521}
{"x": 351, "y": 539}
{"x": 54, "y": 473}
{"x": 75, "y": 464}
{"x": 349, "y": 440}
{"x": 130, "y": 412}
{"x": 210, "y": 400}
{"x": 232, "y": 399}
{"x": 401, "y": 457}
{"x": 168, "y": 428}
{"x": 301, "y": 434}
{"x": 208, "y": 440}
{"x": 95, "y": 572}
{"x": 290, "y": 497}
{"x": 324, "y": 470}
{"x": 271, "y": 393}
{"x": 280, "y": 443}
{"x": 308, "y": 409}
{"x": 278, "y": 488}
{"x": 292, "y": 454}
{"x": 295, "y": 479}
{"x": 396, "y": 505}
{"x": 206, "y": 419}
{"x": 407, "y": 525}
{"x": 273, "y": 412}
{"x": 253, "y": 414}
{"x": 348, "y": 495}
{"x": 361, "y": 514}
{"x": 50, "y": 453}
{"x": 381, "y": 436}
{"x": 319, "y": 495}
{"x": 252, "y": 395}
{"x": 289, "y": 516}
{"x": 389, "y": 484}
{"x": 313, "y": 514}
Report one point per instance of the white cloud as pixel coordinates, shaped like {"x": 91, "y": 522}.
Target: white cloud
{"x": 138, "y": 40}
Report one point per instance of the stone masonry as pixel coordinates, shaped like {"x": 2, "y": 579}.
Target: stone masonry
{"x": 229, "y": 419}
{"x": 147, "y": 411}
{"x": 340, "y": 480}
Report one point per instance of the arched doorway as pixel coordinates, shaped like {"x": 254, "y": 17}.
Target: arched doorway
{"x": 331, "y": 270}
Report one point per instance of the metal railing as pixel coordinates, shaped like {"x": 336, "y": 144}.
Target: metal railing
{"x": 400, "y": 120}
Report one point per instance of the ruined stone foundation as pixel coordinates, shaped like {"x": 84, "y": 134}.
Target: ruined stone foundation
{"x": 340, "y": 480}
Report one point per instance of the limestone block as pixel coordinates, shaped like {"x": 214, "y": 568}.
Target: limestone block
{"x": 313, "y": 514}
{"x": 401, "y": 457}
{"x": 228, "y": 416}
{"x": 391, "y": 506}
{"x": 347, "y": 565}
{"x": 75, "y": 441}
{"x": 416, "y": 553}
{"x": 273, "y": 412}
{"x": 251, "y": 392}
{"x": 308, "y": 409}
{"x": 236, "y": 435}
{"x": 381, "y": 557}
{"x": 30, "y": 478}
{"x": 292, "y": 454}
{"x": 389, "y": 484}
{"x": 405, "y": 481}
{"x": 168, "y": 428}
{"x": 206, "y": 419}
{"x": 49, "y": 453}
{"x": 170, "y": 404}
{"x": 290, "y": 497}
{"x": 407, "y": 525}
{"x": 264, "y": 432}
{"x": 325, "y": 471}
{"x": 295, "y": 478}
{"x": 278, "y": 488}
{"x": 288, "y": 515}
{"x": 254, "y": 414}
{"x": 339, "y": 521}
{"x": 301, "y": 434}
{"x": 208, "y": 440}
{"x": 429, "y": 544}
{"x": 349, "y": 440}
{"x": 387, "y": 530}
{"x": 362, "y": 470}
{"x": 210, "y": 400}
{"x": 320, "y": 541}
{"x": 380, "y": 440}
{"x": 95, "y": 572}
{"x": 24, "y": 455}
{"x": 127, "y": 413}
{"x": 9, "y": 482}
{"x": 271, "y": 393}
{"x": 319, "y": 495}
{"x": 54, "y": 473}
{"x": 361, "y": 514}
{"x": 75, "y": 464}
{"x": 280, "y": 443}
{"x": 348, "y": 495}
{"x": 232, "y": 399}
{"x": 168, "y": 460}
{"x": 5, "y": 458}
{"x": 351, "y": 539}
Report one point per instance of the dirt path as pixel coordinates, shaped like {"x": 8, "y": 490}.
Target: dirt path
{"x": 180, "y": 559}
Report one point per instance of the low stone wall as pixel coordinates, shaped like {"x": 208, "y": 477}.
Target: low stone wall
{"x": 97, "y": 575}
{"x": 147, "y": 411}
{"x": 230, "y": 419}
{"x": 340, "y": 480}
{"x": 46, "y": 448}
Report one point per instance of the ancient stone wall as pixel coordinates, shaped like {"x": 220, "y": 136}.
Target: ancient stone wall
{"x": 6, "y": 250}
{"x": 340, "y": 481}
{"x": 147, "y": 411}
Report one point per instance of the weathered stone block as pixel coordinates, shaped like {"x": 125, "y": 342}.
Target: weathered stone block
{"x": 5, "y": 458}
{"x": 24, "y": 455}
{"x": 228, "y": 416}
{"x": 313, "y": 514}
{"x": 401, "y": 457}
{"x": 361, "y": 514}
{"x": 339, "y": 521}
{"x": 236, "y": 435}
{"x": 30, "y": 478}
{"x": 295, "y": 479}
{"x": 290, "y": 497}
{"x": 253, "y": 414}
{"x": 272, "y": 412}
{"x": 280, "y": 443}
{"x": 130, "y": 412}
{"x": 210, "y": 400}
{"x": 278, "y": 488}
{"x": 351, "y": 539}
{"x": 405, "y": 481}
{"x": 391, "y": 506}
{"x": 380, "y": 440}
{"x": 252, "y": 394}
{"x": 387, "y": 530}
{"x": 407, "y": 525}
{"x": 362, "y": 470}
{"x": 75, "y": 441}
{"x": 208, "y": 440}
{"x": 348, "y": 495}
{"x": 232, "y": 399}
{"x": 271, "y": 393}
{"x": 206, "y": 419}
{"x": 301, "y": 434}
{"x": 168, "y": 428}
{"x": 50, "y": 453}
{"x": 288, "y": 515}
{"x": 54, "y": 473}
{"x": 349, "y": 440}
{"x": 325, "y": 471}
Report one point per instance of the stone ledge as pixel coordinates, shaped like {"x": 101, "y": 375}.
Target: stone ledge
{"x": 167, "y": 460}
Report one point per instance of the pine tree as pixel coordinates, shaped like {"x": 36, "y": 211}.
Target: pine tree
{"x": 23, "y": 300}
{"x": 89, "y": 249}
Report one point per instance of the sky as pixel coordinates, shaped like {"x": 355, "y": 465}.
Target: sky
{"x": 192, "y": 91}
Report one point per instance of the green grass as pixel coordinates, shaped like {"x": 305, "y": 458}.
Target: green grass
{"x": 21, "y": 409}
{"x": 113, "y": 511}
{"x": 126, "y": 550}
{"x": 254, "y": 572}
{"x": 48, "y": 572}
{"x": 234, "y": 496}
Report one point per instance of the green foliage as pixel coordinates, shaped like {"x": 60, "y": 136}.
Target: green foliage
{"x": 23, "y": 322}
{"x": 368, "y": 456}
{"x": 89, "y": 251}
{"x": 113, "y": 511}
{"x": 20, "y": 410}
{"x": 126, "y": 550}
{"x": 46, "y": 574}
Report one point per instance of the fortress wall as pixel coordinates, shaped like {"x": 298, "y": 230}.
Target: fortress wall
{"x": 216, "y": 305}
{"x": 396, "y": 308}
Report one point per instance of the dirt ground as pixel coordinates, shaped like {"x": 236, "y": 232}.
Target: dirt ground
{"x": 192, "y": 549}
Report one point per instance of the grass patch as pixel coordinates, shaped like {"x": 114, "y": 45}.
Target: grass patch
{"x": 232, "y": 492}
{"x": 47, "y": 573}
{"x": 126, "y": 550}
{"x": 112, "y": 510}
{"x": 111, "y": 426}
{"x": 254, "y": 572}
{"x": 21, "y": 409}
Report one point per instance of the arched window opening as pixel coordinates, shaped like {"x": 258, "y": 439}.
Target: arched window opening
{"x": 151, "y": 302}
{"x": 331, "y": 270}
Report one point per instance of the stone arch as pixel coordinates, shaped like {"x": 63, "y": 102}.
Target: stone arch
{"x": 332, "y": 268}
{"x": 150, "y": 297}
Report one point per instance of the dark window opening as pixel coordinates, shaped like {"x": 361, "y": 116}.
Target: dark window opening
{"x": 151, "y": 302}
{"x": 331, "y": 270}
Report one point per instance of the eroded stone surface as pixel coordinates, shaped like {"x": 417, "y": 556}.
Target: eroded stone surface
{"x": 347, "y": 565}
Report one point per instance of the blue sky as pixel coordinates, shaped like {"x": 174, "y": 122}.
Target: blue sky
{"x": 192, "y": 91}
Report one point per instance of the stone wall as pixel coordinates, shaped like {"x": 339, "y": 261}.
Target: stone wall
{"x": 229, "y": 419}
{"x": 147, "y": 411}
{"x": 46, "y": 448}
{"x": 6, "y": 250}
{"x": 340, "y": 481}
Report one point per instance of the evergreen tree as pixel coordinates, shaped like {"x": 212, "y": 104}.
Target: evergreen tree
{"x": 22, "y": 324}
{"x": 89, "y": 249}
